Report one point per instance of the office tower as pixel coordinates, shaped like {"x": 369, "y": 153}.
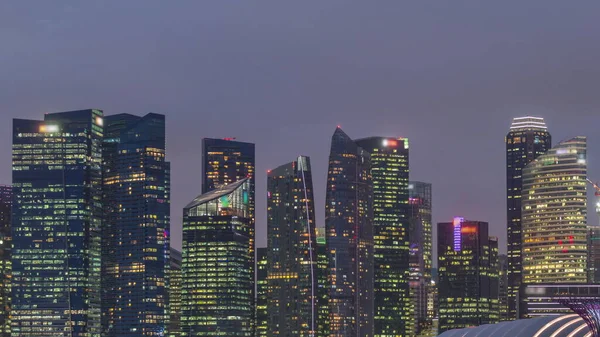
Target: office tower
{"x": 420, "y": 250}
{"x": 323, "y": 284}
{"x": 503, "y": 287}
{"x": 554, "y": 215}
{"x": 468, "y": 274}
{"x": 394, "y": 310}
{"x": 135, "y": 241}
{"x": 527, "y": 139}
{"x": 5, "y": 263}
{"x": 175, "y": 277}
{"x": 292, "y": 261}
{"x": 217, "y": 294}
{"x": 57, "y": 215}
{"x": 224, "y": 162}
{"x": 593, "y": 254}
{"x": 261, "y": 292}
{"x": 349, "y": 226}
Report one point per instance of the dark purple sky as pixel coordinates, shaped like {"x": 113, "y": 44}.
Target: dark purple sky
{"x": 449, "y": 75}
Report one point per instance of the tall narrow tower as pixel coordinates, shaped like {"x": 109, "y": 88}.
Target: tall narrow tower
{"x": 349, "y": 226}
{"x": 527, "y": 139}
{"x": 292, "y": 259}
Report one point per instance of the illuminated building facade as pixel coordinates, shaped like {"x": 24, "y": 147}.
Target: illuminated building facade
{"x": 292, "y": 260}
{"x": 226, "y": 161}
{"x": 217, "y": 294}
{"x": 135, "y": 242}
{"x": 594, "y": 254}
{"x": 420, "y": 251}
{"x": 57, "y": 216}
{"x": 468, "y": 274}
{"x": 261, "y": 292}
{"x": 5, "y": 263}
{"x": 527, "y": 139}
{"x": 554, "y": 215}
{"x": 349, "y": 227}
{"x": 175, "y": 277}
{"x": 394, "y": 310}
{"x": 323, "y": 284}
{"x": 503, "y": 287}
{"x": 538, "y": 300}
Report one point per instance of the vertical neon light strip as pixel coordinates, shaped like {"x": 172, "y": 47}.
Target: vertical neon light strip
{"x": 457, "y": 237}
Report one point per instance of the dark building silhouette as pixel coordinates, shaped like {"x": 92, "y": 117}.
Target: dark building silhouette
{"x": 503, "y": 287}
{"x": 349, "y": 226}
{"x": 217, "y": 293}
{"x": 56, "y": 225}
{"x": 468, "y": 274}
{"x": 394, "y": 308}
{"x": 262, "y": 315}
{"x": 292, "y": 260}
{"x": 5, "y": 259}
{"x": 135, "y": 233}
{"x": 527, "y": 139}
{"x": 420, "y": 252}
{"x": 175, "y": 277}
{"x": 593, "y": 254}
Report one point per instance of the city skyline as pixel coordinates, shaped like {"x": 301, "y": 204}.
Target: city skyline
{"x": 387, "y": 78}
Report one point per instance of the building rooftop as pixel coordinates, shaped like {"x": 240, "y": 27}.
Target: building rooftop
{"x": 215, "y": 194}
{"x": 528, "y": 123}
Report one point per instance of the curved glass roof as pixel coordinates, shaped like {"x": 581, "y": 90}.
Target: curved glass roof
{"x": 215, "y": 194}
{"x": 550, "y": 326}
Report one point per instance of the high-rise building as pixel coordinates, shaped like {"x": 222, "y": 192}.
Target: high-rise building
{"x": 5, "y": 261}
{"x": 292, "y": 260}
{"x": 468, "y": 274}
{"x": 420, "y": 251}
{"x": 527, "y": 139}
{"x": 175, "y": 277}
{"x": 394, "y": 310}
{"x": 593, "y": 254}
{"x": 57, "y": 216}
{"x": 217, "y": 294}
{"x": 503, "y": 287}
{"x": 135, "y": 232}
{"x": 554, "y": 217}
{"x": 323, "y": 284}
{"x": 262, "y": 315}
{"x": 349, "y": 226}
{"x": 224, "y": 162}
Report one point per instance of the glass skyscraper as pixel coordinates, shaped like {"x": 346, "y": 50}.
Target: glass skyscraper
{"x": 468, "y": 274}
{"x": 217, "y": 296}
{"x": 292, "y": 260}
{"x": 5, "y": 258}
{"x": 394, "y": 309}
{"x": 420, "y": 251}
{"x": 554, "y": 219}
{"x": 135, "y": 248}
{"x": 261, "y": 292}
{"x": 175, "y": 278}
{"x": 527, "y": 139}
{"x": 323, "y": 284}
{"x": 57, "y": 215}
{"x": 349, "y": 226}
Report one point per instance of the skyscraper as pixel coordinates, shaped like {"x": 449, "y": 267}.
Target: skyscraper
{"x": 292, "y": 260}
{"x": 527, "y": 139}
{"x": 349, "y": 226}
{"x": 57, "y": 215}
{"x": 5, "y": 261}
{"x": 175, "y": 277}
{"x": 135, "y": 247}
{"x": 226, "y": 161}
{"x": 594, "y": 254}
{"x": 503, "y": 287}
{"x": 323, "y": 284}
{"x": 394, "y": 310}
{"x": 468, "y": 274}
{"x": 420, "y": 251}
{"x": 217, "y": 294}
{"x": 554, "y": 215}
{"x": 262, "y": 315}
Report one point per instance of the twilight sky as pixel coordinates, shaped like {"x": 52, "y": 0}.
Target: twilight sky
{"x": 449, "y": 75}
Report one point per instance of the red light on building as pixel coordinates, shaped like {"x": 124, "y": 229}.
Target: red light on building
{"x": 229, "y": 138}
{"x": 392, "y": 142}
{"x": 468, "y": 230}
